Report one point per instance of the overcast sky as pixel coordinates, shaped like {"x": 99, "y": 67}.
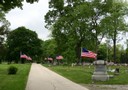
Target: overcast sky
{"x": 32, "y": 17}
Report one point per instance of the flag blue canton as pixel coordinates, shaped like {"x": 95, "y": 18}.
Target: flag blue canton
{"x": 84, "y": 50}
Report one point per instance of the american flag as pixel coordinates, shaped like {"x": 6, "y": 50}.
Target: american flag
{"x": 49, "y": 58}
{"x": 25, "y": 57}
{"x": 29, "y": 58}
{"x": 87, "y": 53}
{"x": 59, "y": 57}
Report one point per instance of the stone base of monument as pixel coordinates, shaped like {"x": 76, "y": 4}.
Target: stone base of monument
{"x": 100, "y": 73}
{"x": 100, "y": 77}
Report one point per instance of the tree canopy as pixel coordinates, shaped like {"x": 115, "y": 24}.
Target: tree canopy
{"x": 4, "y": 27}
{"x": 25, "y": 41}
{"x": 82, "y": 23}
{"x": 7, "y": 5}
{"x": 49, "y": 48}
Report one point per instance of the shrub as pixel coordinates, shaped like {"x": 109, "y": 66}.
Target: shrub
{"x": 12, "y": 70}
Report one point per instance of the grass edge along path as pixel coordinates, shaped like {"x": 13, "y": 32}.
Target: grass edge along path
{"x": 83, "y": 74}
{"x": 14, "y": 82}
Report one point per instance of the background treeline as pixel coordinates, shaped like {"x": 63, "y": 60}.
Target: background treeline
{"x": 105, "y": 52}
{"x": 49, "y": 48}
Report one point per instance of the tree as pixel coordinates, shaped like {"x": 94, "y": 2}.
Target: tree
{"x": 7, "y": 5}
{"x": 49, "y": 47}
{"x": 77, "y": 23}
{"x": 4, "y": 24}
{"x": 115, "y": 23}
{"x": 124, "y": 54}
{"x": 102, "y": 52}
{"x": 3, "y": 52}
{"x": 25, "y": 41}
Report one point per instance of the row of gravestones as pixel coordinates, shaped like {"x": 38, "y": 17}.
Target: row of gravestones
{"x": 100, "y": 73}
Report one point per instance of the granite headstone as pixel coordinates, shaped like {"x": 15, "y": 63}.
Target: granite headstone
{"x": 100, "y": 72}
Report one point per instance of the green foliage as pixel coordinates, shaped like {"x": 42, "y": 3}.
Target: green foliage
{"x": 83, "y": 23}
{"x": 102, "y": 52}
{"x": 25, "y": 41}
{"x": 105, "y": 52}
{"x": 71, "y": 29}
{"x": 49, "y": 48}
{"x": 7, "y": 5}
{"x": 3, "y": 52}
{"x": 124, "y": 56}
{"x": 12, "y": 70}
{"x": 4, "y": 29}
{"x": 115, "y": 23}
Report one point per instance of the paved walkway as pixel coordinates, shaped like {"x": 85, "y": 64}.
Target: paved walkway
{"x": 41, "y": 78}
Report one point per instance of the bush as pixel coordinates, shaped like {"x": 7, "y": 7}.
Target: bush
{"x": 12, "y": 70}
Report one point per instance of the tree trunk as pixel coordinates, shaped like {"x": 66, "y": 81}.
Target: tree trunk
{"x": 96, "y": 47}
{"x": 114, "y": 50}
{"x": 78, "y": 52}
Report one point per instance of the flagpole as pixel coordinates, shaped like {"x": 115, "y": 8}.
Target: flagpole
{"x": 20, "y": 55}
{"x": 80, "y": 55}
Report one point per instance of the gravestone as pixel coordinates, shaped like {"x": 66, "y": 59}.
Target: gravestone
{"x": 100, "y": 72}
{"x": 54, "y": 63}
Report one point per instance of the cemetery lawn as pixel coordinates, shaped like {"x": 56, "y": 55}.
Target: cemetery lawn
{"x": 83, "y": 74}
{"x": 14, "y": 82}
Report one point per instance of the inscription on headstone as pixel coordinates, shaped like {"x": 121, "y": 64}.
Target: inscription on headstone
{"x": 100, "y": 68}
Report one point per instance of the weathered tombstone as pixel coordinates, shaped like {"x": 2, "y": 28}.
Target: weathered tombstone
{"x": 100, "y": 73}
{"x": 54, "y": 63}
{"x": 73, "y": 64}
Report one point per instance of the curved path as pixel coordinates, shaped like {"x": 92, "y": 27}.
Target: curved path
{"x": 41, "y": 78}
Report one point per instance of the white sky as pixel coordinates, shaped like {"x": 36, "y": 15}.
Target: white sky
{"x": 32, "y": 17}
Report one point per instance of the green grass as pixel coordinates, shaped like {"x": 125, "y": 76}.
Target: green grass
{"x": 14, "y": 82}
{"x": 83, "y": 74}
